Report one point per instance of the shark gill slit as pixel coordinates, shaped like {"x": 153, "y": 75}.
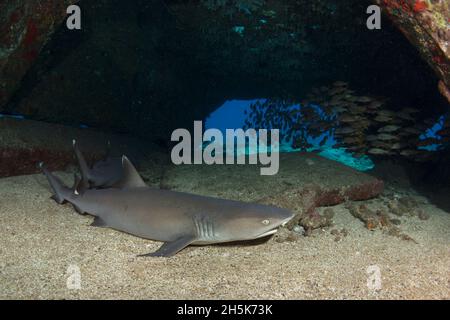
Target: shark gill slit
{"x": 204, "y": 228}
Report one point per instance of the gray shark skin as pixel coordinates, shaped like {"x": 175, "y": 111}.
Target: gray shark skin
{"x": 178, "y": 219}
{"x": 106, "y": 173}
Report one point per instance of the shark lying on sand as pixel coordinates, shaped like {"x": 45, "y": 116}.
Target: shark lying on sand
{"x": 106, "y": 173}
{"x": 178, "y": 219}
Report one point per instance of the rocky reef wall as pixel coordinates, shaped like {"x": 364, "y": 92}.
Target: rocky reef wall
{"x": 426, "y": 24}
{"x": 25, "y": 27}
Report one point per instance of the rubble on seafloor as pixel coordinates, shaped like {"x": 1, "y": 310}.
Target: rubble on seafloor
{"x": 375, "y": 217}
{"x": 339, "y": 234}
{"x": 382, "y": 213}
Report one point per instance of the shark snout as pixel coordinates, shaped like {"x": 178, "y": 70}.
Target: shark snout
{"x": 273, "y": 230}
{"x": 289, "y": 218}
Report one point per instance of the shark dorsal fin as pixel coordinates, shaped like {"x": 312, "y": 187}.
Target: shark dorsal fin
{"x": 130, "y": 178}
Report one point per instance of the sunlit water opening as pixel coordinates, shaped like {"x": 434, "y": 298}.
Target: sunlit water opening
{"x": 233, "y": 114}
{"x": 432, "y": 133}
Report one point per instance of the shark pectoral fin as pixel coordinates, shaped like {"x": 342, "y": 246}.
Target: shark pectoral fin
{"x": 169, "y": 249}
{"x": 99, "y": 222}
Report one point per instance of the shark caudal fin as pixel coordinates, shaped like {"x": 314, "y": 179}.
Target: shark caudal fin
{"x": 85, "y": 171}
{"x": 62, "y": 193}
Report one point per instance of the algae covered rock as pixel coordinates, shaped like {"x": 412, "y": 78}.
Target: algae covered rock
{"x": 426, "y": 24}
{"x": 25, "y": 27}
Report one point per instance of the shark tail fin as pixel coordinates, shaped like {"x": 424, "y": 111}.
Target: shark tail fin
{"x": 85, "y": 172}
{"x": 62, "y": 193}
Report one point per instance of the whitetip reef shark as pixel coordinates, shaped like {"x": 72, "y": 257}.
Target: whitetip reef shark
{"x": 178, "y": 219}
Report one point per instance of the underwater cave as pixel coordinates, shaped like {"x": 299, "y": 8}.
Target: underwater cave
{"x": 364, "y": 140}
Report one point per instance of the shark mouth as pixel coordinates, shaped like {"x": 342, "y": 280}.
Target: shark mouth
{"x": 273, "y": 231}
{"x": 284, "y": 223}
{"x": 268, "y": 233}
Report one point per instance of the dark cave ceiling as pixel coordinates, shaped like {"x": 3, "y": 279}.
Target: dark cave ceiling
{"x": 148, "y": 67}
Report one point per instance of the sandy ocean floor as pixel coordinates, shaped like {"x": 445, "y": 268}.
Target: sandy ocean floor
{"x": 42, "y": 244}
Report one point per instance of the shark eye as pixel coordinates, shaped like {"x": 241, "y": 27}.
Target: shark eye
{"x": 265, "y": 222}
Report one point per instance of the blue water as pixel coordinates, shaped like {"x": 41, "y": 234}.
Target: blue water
{"x": 14, "y": 116}
{"x": 22, "y": 117}
{"x": 432, "y": 133}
